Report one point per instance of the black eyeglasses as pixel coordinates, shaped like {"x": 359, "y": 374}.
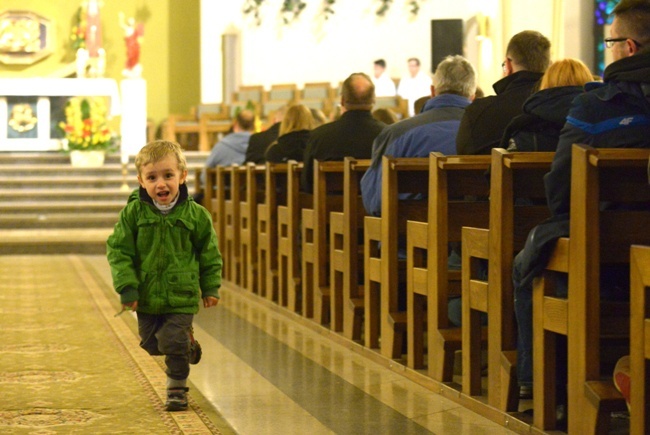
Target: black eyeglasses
{"x": 609, "y": 42}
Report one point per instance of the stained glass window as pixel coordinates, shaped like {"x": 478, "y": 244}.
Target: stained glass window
{"x": 603, "y": 17}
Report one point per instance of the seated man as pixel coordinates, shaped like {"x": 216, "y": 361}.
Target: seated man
{"x": 435, "y": 129}
{"x": 615, "y": 113}
{"x": 527, "y": 58}
{"x": 232, "y": 148}
{"x": 349, "y": 136}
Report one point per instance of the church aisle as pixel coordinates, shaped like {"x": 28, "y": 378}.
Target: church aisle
{"x": 266, "y": 374}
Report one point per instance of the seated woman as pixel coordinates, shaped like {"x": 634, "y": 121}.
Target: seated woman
{"x": 538, "y": 128}
{"x": 293, "y": 136}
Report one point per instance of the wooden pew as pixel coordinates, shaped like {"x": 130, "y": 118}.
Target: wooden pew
{"x": 209, "y": 193}
{"x": 275, "y": 182}
{"x": 458, "y": 195}
{"x": 233, "y": 176}
{"x": 399, "y": 176}
{"x": 371, "y": 280}
{"x": 596, "y": 237}
{"x": 222, "y": 192}
{"x": 289, "y": 277}
{"x": 252, "y": 192}
{"x": 346, "y": 252}
{"x": 182, "y": 128}
{"x": 639, "y": 340}
{"x": 327, "y": 197}
{"x": 513, "y": 177}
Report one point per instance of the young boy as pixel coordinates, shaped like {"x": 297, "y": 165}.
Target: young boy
{"x": 164, "y": 257}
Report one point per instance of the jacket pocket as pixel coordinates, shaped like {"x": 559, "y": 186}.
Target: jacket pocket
{"x": 183, "y": 288}
{"x": 143, "y": 288}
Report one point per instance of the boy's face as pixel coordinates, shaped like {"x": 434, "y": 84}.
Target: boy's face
{"x": 162, "y": 179}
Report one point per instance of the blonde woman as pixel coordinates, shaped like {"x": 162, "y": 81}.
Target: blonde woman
{"x": 538, "y": 128}
{"x": 293, "y": 136}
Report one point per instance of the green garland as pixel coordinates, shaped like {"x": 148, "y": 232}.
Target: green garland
{"x": 291, "y": 9}
{"x": 414, "y": 6}
{"x": 383, "y": 7}
{"x": 253, "y": 7}
{"x": 327, "y": 9}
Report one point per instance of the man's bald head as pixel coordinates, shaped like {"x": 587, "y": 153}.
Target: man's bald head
{"x": 358, "y": 92}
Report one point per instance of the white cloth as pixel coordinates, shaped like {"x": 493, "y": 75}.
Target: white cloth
{"x": 166, "y": 209}
{"x": 384, "y": 86}
{"x": 412, "y": 88}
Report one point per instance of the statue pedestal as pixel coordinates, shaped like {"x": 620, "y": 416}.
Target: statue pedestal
{"x": 134, "y": 116}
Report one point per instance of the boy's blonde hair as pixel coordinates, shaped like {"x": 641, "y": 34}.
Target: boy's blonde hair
{"x": 157, "y": 150}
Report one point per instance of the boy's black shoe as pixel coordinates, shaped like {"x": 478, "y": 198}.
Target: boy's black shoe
{"x": 195, "y": 349}
{"x": 176, "y": 399}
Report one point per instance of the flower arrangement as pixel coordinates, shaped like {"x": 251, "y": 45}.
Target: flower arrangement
{"x": 78, "y": 31}
{"x": 85, "y": 125}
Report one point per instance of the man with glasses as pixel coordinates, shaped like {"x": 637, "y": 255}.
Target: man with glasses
{"x": 527, "y": 58}
{"x": 613, "y": 114}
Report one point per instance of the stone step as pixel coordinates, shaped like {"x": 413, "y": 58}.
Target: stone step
{"x": 49, "y": 207}
{"x": 55, "y": 157}
{"x": 46, "y": 208}
{"x": 70, "y": 182}
{"x": 59, "y": 220}
{"x": 56, "y": 169}
{"x": 26, "y": 186}
{"x": 54, "y": 241}
{"x": 58, "y": 194}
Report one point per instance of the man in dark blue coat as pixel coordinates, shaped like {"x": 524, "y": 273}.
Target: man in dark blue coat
{"x": 435, "y": 129}
{"x": 614, "y": 114}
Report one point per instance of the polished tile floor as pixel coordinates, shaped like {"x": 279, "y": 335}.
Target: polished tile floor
{"x": 267, "y": 374}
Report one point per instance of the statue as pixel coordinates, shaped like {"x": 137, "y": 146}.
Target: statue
{"x": 91, "y": 56}
{"x": 133, "y": 35}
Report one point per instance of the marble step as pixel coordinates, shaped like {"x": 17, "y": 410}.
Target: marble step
{"x": 56, "y": 170}
{"x": 58, "y": 220}
{"x": 46, "y": 208}
{"x": 58, "y": 194}
{"x": 54, "y": 241}
{"x": 70, "y": 183}
{"x": 48, "y": 158}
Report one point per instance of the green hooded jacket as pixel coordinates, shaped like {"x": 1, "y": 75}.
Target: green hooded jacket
{"x": 165, "y": 262}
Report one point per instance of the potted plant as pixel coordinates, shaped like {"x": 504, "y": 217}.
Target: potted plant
{"x": 87, "y": 134}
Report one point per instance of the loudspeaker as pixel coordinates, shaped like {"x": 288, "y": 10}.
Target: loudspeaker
{"x": 446, "y": 40}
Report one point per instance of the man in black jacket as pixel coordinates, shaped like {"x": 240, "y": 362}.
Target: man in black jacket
{"x": 527, "y": 57}
{"x": 259, "y": 142}
{"x": 349, "y": 136}
{"x": 614, "y": 114}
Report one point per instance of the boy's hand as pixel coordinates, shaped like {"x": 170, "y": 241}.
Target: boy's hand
{"x": 210, "y": 301}
{"x": 133, "y": 306}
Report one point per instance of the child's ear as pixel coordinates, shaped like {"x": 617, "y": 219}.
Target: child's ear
{"x": 183, "y": 177}
{"x": 140, "y": 181}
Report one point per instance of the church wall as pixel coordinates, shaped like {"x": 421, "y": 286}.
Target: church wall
{"x": 170, "y": 65}
{"x": 311, "y": 49}
{"x": 184, "y": 55}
